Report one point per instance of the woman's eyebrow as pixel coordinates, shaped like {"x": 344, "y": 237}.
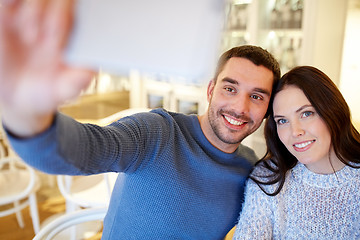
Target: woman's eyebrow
{"x": 303, "y": 107}
{"x": 298, "y": 110}
{"x": 278, "y": 116}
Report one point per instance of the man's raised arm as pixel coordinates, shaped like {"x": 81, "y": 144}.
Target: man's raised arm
{"x": 34, "y": 80}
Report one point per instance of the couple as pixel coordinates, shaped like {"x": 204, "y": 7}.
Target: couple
{"x": 185, "y": 174}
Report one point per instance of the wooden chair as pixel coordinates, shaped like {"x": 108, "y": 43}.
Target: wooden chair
{"x": 18, "y": 186}
{"x": 60, "y": 224}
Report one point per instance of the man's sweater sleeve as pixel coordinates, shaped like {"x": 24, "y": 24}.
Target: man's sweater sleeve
{"x": 41, "y": 151}
{"x": 72, "y": 148}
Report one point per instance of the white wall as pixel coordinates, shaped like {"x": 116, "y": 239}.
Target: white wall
{"x": 324, "y": 27}
{"x": 350, "y": 72}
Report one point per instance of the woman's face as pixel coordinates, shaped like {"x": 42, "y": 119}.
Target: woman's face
{"x": 302, "y": 130}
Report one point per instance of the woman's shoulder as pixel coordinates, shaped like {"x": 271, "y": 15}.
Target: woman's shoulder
{"x": 264, "y": 169}
{"x": 266, "y": 176}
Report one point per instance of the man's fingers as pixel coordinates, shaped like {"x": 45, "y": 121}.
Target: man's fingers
{"x": 72, "y": 81}
{"x": 9, "y": 3}
{"x": 47, "y": 22}
{"x": 8, "y": 34}
{"x": 58, "y": 22}
{"x": 30, "y": 19}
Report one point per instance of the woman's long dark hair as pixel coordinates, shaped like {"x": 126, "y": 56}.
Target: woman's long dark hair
{"x": 331, "y": 106}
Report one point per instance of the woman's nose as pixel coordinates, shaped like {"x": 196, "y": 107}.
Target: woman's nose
{"x": 297, "y": 129}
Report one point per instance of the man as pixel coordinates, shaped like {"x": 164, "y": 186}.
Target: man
{"x": 184, "y": 174}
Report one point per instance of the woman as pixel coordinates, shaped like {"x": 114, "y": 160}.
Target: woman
{"x": 307, "y": 185}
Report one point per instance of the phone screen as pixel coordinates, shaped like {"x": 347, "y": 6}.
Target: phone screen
{"x": 172, "y": 37}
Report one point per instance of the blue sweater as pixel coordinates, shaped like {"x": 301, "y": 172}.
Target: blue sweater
{"x": 176, "y": 184}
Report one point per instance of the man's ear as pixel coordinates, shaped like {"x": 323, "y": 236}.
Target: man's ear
{"x": 210, "y": 89}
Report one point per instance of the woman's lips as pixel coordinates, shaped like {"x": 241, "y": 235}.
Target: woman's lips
{"x": 303, "y": 146}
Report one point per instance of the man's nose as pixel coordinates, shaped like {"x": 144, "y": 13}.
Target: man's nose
{"x": 242, "y": 104}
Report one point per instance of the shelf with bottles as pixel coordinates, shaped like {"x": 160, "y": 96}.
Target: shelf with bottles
{"x": 285, "y": 15}
{"x": 237, "y": 14}
{"x": 235, "y": 38}
{"x": 280, "y": 30}
{"x": 235, "y": 30}
{"x": 285, "y": 46}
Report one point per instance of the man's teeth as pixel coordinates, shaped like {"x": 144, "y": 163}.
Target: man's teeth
{"x": 302, "y": 145}
{"x": 233, "y": 122}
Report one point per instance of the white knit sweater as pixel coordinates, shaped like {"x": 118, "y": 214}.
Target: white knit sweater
{"x": 309, "y": 206}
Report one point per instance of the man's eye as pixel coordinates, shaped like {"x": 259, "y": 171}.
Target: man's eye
{"x": 229, "y": 89}
{"x": 257, "y": 97}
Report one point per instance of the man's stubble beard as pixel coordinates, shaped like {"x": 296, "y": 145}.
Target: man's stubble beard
{"x": 215, "y": 119}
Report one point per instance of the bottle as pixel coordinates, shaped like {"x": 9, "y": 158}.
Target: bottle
{"x": 289, "y": 57}
{"x": 242, "y": 16}
{"x": 297, "y": 15}
{"x": 271, "y": 46}
{"x": 278, "y": 49}
{"x": 286, "y": 14}
{"x": 298, "y": 50}
{"x": 232, "y": 18}
{"x": 275, "y": 17}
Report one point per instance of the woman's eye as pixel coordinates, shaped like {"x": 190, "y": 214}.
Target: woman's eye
{"x": 281, "y": 121}
{"x": 307, "y": 114}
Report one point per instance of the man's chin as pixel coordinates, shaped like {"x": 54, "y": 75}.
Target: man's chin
{"x": 231, "y": 141}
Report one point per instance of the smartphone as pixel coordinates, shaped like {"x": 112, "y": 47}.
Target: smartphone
{"x": 171, "y": 37}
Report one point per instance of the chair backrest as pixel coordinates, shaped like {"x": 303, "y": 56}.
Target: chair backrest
{"x": 17, "y": 180}
{"x": 2, "y": 147}
{"x": 123, "y": 113}
{"x": 173, "y": 93}
{"x": 87, "y": 191}
{"x": 3, "y": 142}
{"x": 50, "y": 230}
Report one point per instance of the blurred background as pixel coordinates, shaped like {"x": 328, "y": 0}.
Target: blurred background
{"x": 321, "y": 33}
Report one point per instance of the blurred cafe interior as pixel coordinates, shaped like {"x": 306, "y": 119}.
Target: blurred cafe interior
{"x": 321, "y": 33}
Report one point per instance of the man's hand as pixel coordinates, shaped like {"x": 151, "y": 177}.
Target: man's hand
{"x": 34, "y": 80}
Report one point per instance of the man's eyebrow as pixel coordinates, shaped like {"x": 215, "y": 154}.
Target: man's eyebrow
{"x": 259, "y": 90}
{"x": 263, "y": 91}
{"x": 230, "y": 80}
